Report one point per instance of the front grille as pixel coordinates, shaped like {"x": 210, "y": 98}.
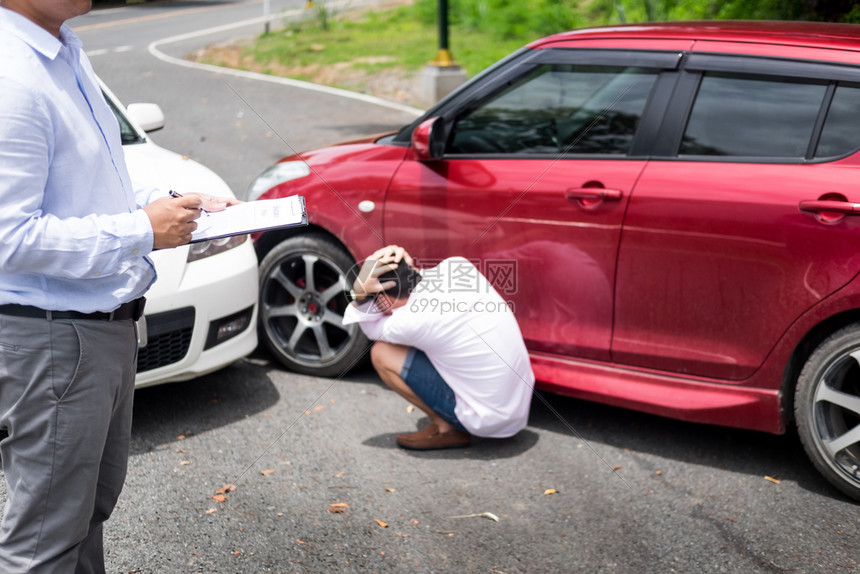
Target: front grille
{"x": 168, "y": 338}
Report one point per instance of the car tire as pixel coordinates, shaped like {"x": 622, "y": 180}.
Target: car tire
{"x": 304, "y": 291}
{"x": 827, "y": 409}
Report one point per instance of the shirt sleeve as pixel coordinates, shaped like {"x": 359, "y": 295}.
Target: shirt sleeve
{"x": 146, "y": 195}
{"x": 368, "y": 317}
{"x": 42, "y": 243}
{"x": 402, "y": 327}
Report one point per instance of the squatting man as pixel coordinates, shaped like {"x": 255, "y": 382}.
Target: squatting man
{"x": 456, "y": 354}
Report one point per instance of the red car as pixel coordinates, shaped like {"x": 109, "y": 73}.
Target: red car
{"x": 669, "y": 210}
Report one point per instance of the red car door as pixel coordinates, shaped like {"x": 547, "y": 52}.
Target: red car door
{"x": 748, "y": 225}
{"x": 533, "y": 186}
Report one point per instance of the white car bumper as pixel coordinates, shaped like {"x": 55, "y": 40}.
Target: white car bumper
{"x": 186, "y": 306}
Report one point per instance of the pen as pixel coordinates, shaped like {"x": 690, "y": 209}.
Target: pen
{"x": 177, "y": 194}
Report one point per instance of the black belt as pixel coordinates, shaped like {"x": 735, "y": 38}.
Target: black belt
{"x": 131, "y": 310}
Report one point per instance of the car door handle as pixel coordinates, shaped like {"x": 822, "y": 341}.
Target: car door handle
{"x": 829, "y": 205}
{"x": 593, "y": 193}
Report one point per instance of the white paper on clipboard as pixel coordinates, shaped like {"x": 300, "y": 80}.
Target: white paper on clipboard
{"x": 250, "y": 217}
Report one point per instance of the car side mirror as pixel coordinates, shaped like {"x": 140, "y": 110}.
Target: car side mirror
{"x": 428, "y": 140}
{"x": 147, "y": 117}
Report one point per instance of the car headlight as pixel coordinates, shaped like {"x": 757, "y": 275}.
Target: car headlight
{"x": 276, "y": 175}
{"x": 214, "y": 246}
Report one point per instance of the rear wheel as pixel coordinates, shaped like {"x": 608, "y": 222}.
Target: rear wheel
{"x": 827, "y": 409}
{"x": 304, "y": 292}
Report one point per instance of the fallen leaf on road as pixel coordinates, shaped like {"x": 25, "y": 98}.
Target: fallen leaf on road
{"x": 616, "y": 468}
{"x": 550, "y": 491}
{"x": 338, "y": 507}
{"x": 381, "y": 523}
{"x": 301, "y": 542}
{"x": 219, "y": 498}
{"x": 489, "y": 515}
{"x": 211, "y": 510}
{"x": 390, "y": 490}
{"x": 226, "y": 488}
{"x": 268, "y": 471}
{"x": 185, "y": 462}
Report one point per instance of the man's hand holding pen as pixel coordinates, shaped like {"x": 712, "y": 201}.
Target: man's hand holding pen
{"x": 208, "y": 202}
{"x": 173, "y": 218}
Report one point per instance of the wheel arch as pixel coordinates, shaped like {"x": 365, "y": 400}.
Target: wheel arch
{"x": 804, "y": 349}
{"x": 268, "y": 241}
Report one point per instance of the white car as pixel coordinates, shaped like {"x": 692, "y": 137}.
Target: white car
{"x": 201, "y": 313}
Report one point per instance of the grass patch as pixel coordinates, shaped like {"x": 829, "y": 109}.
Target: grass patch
{"x": 379, "y": 51}
{"x": 396, "y": 37}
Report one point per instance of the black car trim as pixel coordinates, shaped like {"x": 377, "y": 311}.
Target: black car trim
{"x": 647, "y": 136}
{"x": 674, "y": 122}
{"x": 818, "y": 128}
{"x": 770, "y": 66}
{"x": 669, "y": 60}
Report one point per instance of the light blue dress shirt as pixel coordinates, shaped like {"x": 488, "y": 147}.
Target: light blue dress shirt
{"x": 72, "y": 234}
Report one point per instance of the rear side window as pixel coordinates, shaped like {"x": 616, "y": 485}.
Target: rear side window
{"x": 753, "y": 117}
{"x": 841, "y": 133}
{"x": 559, "y": 108}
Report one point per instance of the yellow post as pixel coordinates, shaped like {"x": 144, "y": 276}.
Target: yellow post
{"x": 443, "y": 58}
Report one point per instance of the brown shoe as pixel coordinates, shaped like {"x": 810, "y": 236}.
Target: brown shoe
{"x": 430, "y": 438}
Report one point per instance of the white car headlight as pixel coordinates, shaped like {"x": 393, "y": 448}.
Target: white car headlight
{"x": 214, "y": 246}
{"x": 275, "y": 175}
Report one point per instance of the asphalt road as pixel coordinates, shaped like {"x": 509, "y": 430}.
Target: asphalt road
{"x": 320, "y": 485}
{"x": 237, "y": 124}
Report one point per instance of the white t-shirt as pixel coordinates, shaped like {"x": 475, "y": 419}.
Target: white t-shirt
{"x": 470, "y": 335}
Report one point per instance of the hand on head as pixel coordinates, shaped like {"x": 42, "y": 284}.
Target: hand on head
{"x": 391, "y": 254}
{"x": 377, "y": 264}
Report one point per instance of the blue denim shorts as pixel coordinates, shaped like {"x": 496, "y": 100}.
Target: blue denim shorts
{"x": 426, "y": 382}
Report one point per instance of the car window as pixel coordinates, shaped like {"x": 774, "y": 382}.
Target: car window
{"x": 559, "y": 108}
{"x": 752, "y": 117}
{"x": 841, "y": 133}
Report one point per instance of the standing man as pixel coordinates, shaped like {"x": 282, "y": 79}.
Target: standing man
{"x": 448, "y": 343}
{"x": 73, "y": 272}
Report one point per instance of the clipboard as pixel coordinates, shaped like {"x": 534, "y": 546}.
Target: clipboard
{"x": 251, "y": 217}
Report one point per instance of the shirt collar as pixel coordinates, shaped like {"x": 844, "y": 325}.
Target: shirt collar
{"x": 37, "y": 37}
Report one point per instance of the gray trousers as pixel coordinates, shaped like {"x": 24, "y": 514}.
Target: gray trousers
{"x": 66, "y": 390}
